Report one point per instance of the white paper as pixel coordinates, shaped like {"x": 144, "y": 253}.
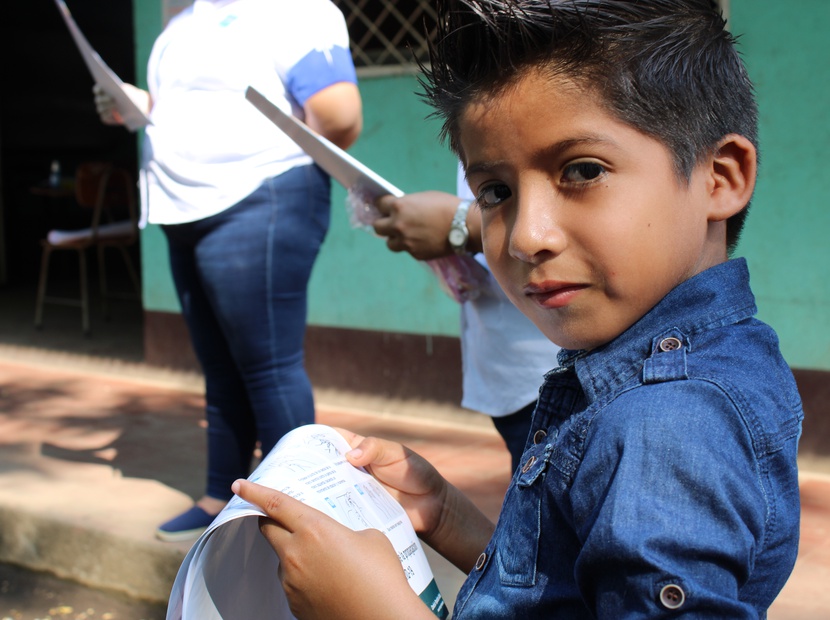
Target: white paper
{"x": 348, "y": 171}
{"x": 460, "y": 276}
{"x": 231, "y": 571}
{"x": 134, "y": 117}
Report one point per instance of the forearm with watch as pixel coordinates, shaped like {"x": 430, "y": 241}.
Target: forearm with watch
{"x": 464, "y": 235}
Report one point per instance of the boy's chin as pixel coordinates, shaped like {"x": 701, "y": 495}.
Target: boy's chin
{"x": 575, "y": 339}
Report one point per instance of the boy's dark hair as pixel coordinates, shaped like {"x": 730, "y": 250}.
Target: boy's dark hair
{"x": 668, "y": 68}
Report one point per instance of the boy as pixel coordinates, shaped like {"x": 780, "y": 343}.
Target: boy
{"x": 503, "y": 354}
{"x": 611, "y": 147}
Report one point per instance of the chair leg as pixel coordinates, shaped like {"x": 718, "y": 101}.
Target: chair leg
{"x": 84, "y": 294}
{"x": 102, "y": 279}
{"x": 41, "y": 287}
{"x": 131, "y": 269}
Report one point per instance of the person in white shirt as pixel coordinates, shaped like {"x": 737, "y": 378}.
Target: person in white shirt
{"x": 244, "y": 210}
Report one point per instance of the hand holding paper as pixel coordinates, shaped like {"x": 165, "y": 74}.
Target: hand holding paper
{"x": 132, "y": 110}
{"x": 328, "y": 570}
{"x": 107, "y": 106}
{"x": 319, "y": 501}
{"x": 460, "y": 276}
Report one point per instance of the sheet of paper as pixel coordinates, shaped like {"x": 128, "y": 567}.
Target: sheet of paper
{"x": 231, "y": 571}
{"x": 460, "y": 276}
{"x": 344, "y": 168}
{"x": 134, "y": 117}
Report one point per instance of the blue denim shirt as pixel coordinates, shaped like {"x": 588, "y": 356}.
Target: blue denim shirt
{"x": 659, "y": 477}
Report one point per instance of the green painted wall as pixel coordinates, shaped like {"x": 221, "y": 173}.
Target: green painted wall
{"x": 357, "y": 283}
{"x": 787, "y": 52}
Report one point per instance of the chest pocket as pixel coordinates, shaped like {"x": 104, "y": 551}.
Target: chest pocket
{"x": 519, "y": 528}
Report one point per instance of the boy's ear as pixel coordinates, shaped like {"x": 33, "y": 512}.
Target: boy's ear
{"x": 733, "y": 168}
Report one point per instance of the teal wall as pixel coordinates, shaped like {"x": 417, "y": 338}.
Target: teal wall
{"x": 787, "y": 51}
{"x": 357, "y": 283}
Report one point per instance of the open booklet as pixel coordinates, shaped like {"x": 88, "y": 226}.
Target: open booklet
{"x": 461, "y": 277}
{"x": 134, "y": 117}
{"x": 231, "y": 571}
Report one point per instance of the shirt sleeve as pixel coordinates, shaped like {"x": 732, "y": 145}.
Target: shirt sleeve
{"x": 668, "y": 506}
{"x": 318, "y": 52}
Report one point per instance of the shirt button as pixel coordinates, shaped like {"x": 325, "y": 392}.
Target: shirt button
{"x": 670, "y": 344}
{"x": 539, "y": 436}
{"x": 672, "y": 596}
{"x": 528, "y": 464}
{"x": 480, "y": 561}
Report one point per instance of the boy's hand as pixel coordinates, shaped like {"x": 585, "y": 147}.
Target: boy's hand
{"x": 417, "y": 223}
{"x": 409, "y": 478}
{"x": 327, "y": 569}
{"x": 442, "y": 516}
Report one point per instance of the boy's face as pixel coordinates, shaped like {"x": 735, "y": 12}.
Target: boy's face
{"x": 585, "y": 224}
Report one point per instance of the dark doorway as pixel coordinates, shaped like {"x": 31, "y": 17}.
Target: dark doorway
{"x": 47, "y": 114}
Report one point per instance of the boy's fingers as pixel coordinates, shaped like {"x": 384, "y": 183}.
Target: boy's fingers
{"x": 368, "y": 451}
{"x": 353, "y": 439}
{"x": 283, "y": 509}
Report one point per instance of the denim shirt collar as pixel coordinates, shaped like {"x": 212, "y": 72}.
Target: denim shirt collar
{"x": 713, "y": 298}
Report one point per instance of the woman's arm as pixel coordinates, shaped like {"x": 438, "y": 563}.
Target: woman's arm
{"x": 336, "y": 113}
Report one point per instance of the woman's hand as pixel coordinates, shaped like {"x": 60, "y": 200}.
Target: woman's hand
{"x": 328, "y": 570}
{"x": 107, "y": 108}
{"x": 419, "y": 223}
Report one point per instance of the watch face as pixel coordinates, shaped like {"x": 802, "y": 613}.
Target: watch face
{"x": 457, "y": 237}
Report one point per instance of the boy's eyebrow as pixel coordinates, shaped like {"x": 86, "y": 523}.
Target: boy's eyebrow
{"x": 552, "y": 150}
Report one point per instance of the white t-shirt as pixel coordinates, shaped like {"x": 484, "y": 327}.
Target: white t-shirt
{"x": 208, "y": 147}
{"x": 504, "y": 355}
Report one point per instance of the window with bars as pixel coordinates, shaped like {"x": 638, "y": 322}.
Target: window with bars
{"x": 394, "y": 33}
{"x": 388, "y": 33}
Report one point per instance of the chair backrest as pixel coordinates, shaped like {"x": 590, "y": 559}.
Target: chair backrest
{"x": 109, "y": 191}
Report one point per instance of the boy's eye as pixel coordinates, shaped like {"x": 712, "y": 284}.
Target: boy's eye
{"x": 492, "y": 195}
{"x": 582, "y": 172}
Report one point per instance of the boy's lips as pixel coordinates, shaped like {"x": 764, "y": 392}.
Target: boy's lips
{"x": 553, "y": 294}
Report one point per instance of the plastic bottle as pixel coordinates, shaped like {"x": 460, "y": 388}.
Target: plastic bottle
{"x": 55, "y": 174}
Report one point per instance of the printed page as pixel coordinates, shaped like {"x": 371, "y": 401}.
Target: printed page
{"x": 134, "y": 117}
{"x": 231, "y": 571}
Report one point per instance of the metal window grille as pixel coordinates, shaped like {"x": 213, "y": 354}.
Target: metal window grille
{"x": 388, "y": 33}
{"x": 394, "y": 33}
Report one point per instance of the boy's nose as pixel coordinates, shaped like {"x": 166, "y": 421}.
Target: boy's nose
{"x": 537, "y": 231}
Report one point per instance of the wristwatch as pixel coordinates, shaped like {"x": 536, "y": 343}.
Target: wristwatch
{"x": 459, "y": 234}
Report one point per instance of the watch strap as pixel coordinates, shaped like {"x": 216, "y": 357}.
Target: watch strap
{"x": 459, "y": 222}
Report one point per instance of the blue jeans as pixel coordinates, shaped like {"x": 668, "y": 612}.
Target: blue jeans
{"x": 242, "y": 277}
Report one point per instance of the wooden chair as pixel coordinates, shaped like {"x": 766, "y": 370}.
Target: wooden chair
{"x": 110, "y": 193}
